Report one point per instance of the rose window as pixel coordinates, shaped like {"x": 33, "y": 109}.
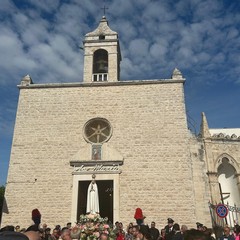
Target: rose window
{"x": 97, "y": 130}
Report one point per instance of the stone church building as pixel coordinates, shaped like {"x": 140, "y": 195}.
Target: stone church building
{"x": 132, "y": 136}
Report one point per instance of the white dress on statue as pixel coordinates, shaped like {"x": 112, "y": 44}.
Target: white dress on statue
{"x": 92, "y": 198}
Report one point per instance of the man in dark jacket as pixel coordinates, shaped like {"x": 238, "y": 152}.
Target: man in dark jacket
{"x": 154, "y": 232}
{"x": 177, "y": 233}
{"x": 169, "y": 229}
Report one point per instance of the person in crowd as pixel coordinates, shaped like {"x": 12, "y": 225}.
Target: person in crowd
{"x": 154, "y": 231}
{"x": 48, "y": 233}
{"x": 169, "y": 229}
{"x": 139, "y": 216}
{"x": 199, "y": 226}
{"x": 120, "y": 226}
{"x": 69, "y": 225}
{"x": 44, "y": 227}
{"x": 12, "y": 235}
{"x": 129, "y": 234}
{"x": 209, "y": 234}
{"x": 65, "y": 234}
{"x": 184, "y": 228}
{"x": 8, "y": 228}
{"x": 58, "y": 227}
{"x": 144, "y": 233}
{"x": 135, "y": 232}
{"x": 120, "y": 233}
{"x": 237, "y": 232}
{"x": 54, "y": 235}
{"x": 34, "y": 232}
{"x": 103, "y": 236}
{"x": 163, "y": 234}
{"x": 75, "y": 232}
{"x": 130, "y": 224}
{"x": 33, "y": 227}
{"x": 36, "y": 216}
{"x": 17, "y": 228}
{"x": 116, "y": 227}
{"x": 177, "y": 233}
{"x": 33, "y": 235}
{"x": 227, "y": 234}
{"x": 42, "y": 234}
{"x": 194, "y": 234}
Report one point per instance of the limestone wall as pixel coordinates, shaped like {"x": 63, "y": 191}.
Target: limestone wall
{"x": 200, "y": 181}
{"x": 149, "y": 131}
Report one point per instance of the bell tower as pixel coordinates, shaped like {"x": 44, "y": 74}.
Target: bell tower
{"x": 102, "y": 54}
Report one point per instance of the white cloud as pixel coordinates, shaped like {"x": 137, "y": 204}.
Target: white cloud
{"x": 151, "y": 34}
{"x": 7, "y": 6}
{"x": 158, "y": 51}
{"x": 45, "y": 5}
{"x": 233, "y": 33}
{"x": 207, "y": 9}
{"x": 12, "y": 58}
{"x": 138, "y": 48}
{"x": 121, "y": 9}
{"x": 160, "y": 11}
{"x": 126, "y": 29}
{"x": 41, "y": 38}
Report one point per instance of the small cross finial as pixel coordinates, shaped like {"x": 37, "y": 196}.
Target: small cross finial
{"x": 104, "y": 9}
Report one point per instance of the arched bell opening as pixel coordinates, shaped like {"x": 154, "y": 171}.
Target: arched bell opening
{"x": 100, "y": 65}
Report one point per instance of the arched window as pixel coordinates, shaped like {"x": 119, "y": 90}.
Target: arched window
{"x": 228, "y": 182}
{"x": 100, "y": 65}
{"x": 100, "y": 61}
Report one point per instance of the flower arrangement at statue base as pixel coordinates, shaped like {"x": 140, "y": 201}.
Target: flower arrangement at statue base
{"x": 91, "y": 226}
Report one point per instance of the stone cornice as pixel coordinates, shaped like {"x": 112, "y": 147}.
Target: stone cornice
{"x": 100, "y": 41}
{"x": 210, "y": 173}
{"x": 225, "y": 137}
{"x": 220, "y": 139}
{"x": 101, "y": 84}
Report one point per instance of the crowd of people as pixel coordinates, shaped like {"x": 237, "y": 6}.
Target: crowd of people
{"x": 172, "y": 231}
{"x": 137, "y": 231}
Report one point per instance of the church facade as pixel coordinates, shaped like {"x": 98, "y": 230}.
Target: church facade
{"x": 130, "y": 136}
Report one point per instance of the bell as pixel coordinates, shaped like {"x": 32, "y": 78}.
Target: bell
{"x": 102, "y": 66}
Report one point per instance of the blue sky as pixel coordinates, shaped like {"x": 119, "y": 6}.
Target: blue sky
{"x": 200, "y": 37}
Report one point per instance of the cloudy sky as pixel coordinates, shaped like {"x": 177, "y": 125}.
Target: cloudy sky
{"x": 200, "y": 37}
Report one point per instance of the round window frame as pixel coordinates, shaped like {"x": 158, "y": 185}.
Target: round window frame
{"x": 95, "y": 120}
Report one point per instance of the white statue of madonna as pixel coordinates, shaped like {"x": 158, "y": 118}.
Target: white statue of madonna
{"x": 92, "y": 197}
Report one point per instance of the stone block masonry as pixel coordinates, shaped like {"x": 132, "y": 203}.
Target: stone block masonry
{"x": 149, "y": 130}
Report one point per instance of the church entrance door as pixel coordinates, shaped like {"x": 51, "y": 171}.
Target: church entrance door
{"x": 105, "y": 192}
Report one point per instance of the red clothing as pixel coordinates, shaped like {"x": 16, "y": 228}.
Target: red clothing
{"x": 120, "y": 236}
{"x": 138, "y": 214}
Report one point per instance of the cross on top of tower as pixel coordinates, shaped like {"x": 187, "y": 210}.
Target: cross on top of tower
{"x": 104, "y": 9}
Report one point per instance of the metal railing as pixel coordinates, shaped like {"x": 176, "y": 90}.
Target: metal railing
{"x": 232, "y": 215}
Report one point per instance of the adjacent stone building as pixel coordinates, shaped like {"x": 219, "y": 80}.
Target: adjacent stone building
{"x": 132, "y": 136}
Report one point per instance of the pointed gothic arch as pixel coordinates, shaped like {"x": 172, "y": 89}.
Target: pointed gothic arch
{"x": 231, "y": 160}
